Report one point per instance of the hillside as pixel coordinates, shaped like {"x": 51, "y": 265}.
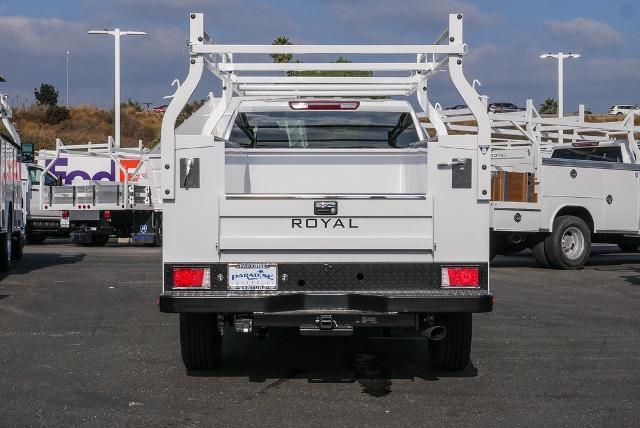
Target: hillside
{"x": 87, "y": 123}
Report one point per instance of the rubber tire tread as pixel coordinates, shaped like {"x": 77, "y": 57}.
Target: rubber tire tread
{"x": 629, "y": 245}
{"x": 452, "y": 353}
{"x": 539, "y": 255}
{"x": 553, "y": 244}
{"x": 5, "y": 260}
{"x": 36, "y": 239}
{"x": 17, "y": 248}
{"x": 200, "y": 341}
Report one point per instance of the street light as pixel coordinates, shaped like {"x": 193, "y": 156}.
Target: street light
{"x": 560, "y": 56}
{"x": 116, "y": 33}
{"x": 68, "y": 79}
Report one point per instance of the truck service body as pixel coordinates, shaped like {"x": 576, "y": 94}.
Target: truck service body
{"x": 560, "y": 184}
{"x": 12, "y": 215}
{"x": 104, "y": 190}
{"x": 300, "y": 201}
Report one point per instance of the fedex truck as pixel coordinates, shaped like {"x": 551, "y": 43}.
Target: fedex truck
{"x": 104, "y": 190}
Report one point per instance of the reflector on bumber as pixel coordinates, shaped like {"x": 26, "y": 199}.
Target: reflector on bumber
{"x": 467, "y": 277}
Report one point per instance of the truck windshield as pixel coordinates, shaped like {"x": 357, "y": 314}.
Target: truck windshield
{"x": 35, "y": 174}
{"x": 324, "y": 129}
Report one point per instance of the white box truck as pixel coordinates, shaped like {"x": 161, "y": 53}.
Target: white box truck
{"x": 12, "y": 215}
{"x": 319, "y": 203}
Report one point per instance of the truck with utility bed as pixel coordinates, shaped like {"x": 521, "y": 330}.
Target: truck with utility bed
{"x": 112, "y": 191}
{"x": 560, "y": 184}
{"x": 315, "y": 201}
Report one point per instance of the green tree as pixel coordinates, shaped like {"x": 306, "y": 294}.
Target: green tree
{"x": 336, "y": 73}
{"x": 47, "y": 95}
{"x": 549, "y": 106}
{"x": 280, "y": 58}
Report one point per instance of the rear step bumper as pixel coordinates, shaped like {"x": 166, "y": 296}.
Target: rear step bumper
{"x": 482, "y": 301}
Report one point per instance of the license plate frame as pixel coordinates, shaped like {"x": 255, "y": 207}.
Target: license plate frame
{"x": 64, "y": 223}
{"x": 252, "y": 276}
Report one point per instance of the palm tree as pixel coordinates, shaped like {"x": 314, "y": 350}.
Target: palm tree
{"x": 549, "y": 106}
{"x": 280, "y": 58}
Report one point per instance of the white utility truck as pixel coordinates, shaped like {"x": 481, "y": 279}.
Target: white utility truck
{"x": 560, "y": 184}
{"x": 104, "y": 190}
{"x": 310, "y": 202}
{"x": 12, "y": 215}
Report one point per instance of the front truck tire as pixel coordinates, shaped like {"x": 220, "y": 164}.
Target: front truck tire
{"x": 452, "y": 353}
{"x": 200, "y": 341}
{"x": 569, "y": 245}
{"x": 5, "y": 252}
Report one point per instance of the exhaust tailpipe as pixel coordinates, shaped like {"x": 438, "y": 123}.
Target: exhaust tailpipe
{"x": 435, "y": 333}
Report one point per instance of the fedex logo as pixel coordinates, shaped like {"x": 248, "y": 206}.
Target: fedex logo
{"x": 62, "y": 170}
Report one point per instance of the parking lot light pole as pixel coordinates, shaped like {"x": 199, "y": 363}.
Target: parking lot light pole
{"x": 560, "y": 56}
{"x": 67, "y": 79}
{"x": 116, "y": 33}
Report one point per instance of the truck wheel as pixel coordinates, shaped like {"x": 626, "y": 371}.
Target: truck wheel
{"x": 629, "y": 245}
{"x": 539, "y": 254}
{"x": 200, "y": 341}
{"x": 17, "y": 247}
{"x": 100, "y": 239}
{"x": 452, "y": 352}
{"x": 5, "y": 252}
{"x": 36, "y": 239}
{"x": 569, "y": 245}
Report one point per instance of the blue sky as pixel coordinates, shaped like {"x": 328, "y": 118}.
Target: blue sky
{"x": 505, "y": 39}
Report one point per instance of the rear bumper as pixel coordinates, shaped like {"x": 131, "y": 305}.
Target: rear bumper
{"x": 481, "y": 301}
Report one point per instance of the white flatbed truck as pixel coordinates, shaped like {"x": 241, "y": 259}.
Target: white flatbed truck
{"x": 94, "y": 210}
{"x": 561, "y": 184}
{"x": 294, "y": 201}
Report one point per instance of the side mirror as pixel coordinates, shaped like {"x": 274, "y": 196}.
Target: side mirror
{"x": 28, "y": 154}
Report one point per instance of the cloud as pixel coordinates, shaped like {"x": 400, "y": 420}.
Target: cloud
{"x": 586, "y": 33}
{"x": 377, "y": 18}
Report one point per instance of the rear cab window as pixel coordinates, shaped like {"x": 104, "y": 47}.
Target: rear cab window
{"x": 335, "y": 129}
{"x": 601, "y": 154}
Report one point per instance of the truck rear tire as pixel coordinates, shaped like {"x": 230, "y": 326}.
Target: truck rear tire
{"x": 569, "y": 245}
{"x": 100, "y": 239}
{"x": 5, "y": 252}
{"x": 36, "y": 239}
{"x": 200, "y": 341}
{"x": 17, "y": 247}
{"x": 629, "y": 245}
{"x": 452, "y": 353}
{"x": 539, "y": 255}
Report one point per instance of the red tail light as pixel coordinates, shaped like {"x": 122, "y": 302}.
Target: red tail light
{"x": 65, "y": 214}
{"x": 191, "y": 278}
{"x": 107, "y": 215}
{"x": 460, "y": 277}
{"x": 324, "y": 105}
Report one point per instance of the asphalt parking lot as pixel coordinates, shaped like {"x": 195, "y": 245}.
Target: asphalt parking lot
{"x": 82, "y": 343}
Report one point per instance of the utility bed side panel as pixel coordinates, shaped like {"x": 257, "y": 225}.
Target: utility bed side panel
{"x": 460, "y": 220}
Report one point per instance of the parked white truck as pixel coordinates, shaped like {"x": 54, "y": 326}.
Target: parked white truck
{"x": 12, "y": 215}
{"x": 301, "y": 201}
{"x": 560, "y": 184}
{"x": 104, "y": 190}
